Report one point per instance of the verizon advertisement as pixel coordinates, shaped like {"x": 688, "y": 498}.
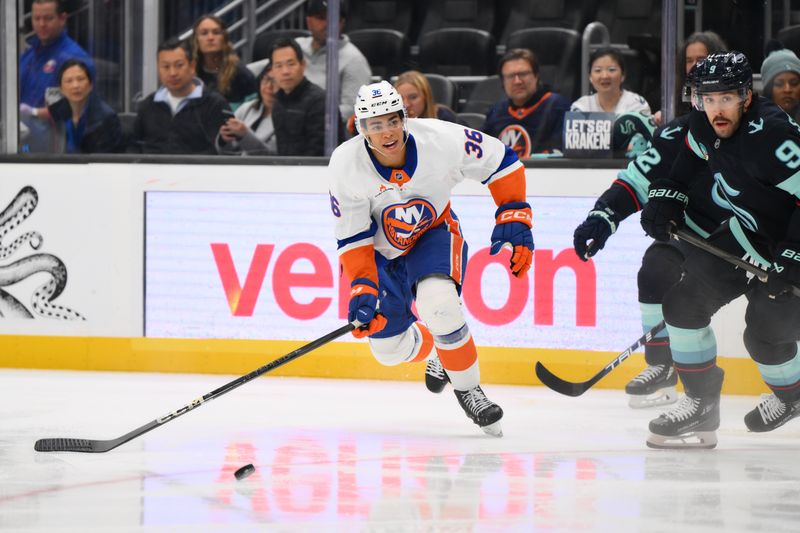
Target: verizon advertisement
{"x": 264, "y": 266}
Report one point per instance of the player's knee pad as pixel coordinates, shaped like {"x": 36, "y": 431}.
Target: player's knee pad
{"x": 391, "y": 351}
{"x": 768, "y": 349}
{"x": 660, "y": 270}
{"x": 689, "y": 304}
{"x": 439, "y": 305}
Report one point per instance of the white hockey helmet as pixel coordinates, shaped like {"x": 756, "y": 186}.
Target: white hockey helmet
{"x": 378, "y": 99}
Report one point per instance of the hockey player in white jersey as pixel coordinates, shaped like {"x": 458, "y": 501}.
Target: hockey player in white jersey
{"x": 399, "y": 240}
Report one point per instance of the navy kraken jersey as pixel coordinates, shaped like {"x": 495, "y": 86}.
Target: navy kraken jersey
{"x": 756, "y": 173}
{"x": 628, "y": 193}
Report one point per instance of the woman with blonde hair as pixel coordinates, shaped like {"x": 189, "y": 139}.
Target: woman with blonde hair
{"x": 217, "y": 64}
{"x": 417, "y": 96}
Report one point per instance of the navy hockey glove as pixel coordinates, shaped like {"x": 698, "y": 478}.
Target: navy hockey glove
{"x": 785, "y": 271}
{"x": 513, "y": 226}
{"x": 362, "y": 307}
{"x": 591, "y": 236}
{"x": 663, "y": 213}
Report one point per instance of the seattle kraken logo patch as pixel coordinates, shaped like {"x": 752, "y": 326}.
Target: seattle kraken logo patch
{"x": 404, "y": 224}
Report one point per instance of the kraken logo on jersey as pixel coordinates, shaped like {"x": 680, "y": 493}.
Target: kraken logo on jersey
{"x": 516, "y": 137}
{"x": 722, "y": 193}
{"x": 404, "y": 224}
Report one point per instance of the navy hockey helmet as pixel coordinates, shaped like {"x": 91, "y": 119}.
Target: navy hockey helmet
{"x": 722, "y": 72}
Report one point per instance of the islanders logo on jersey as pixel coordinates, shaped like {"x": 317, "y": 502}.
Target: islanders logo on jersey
{"x": 516, "y": 137}
{"x": 404, "y": 224}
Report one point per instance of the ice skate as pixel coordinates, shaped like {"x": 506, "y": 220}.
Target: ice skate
{"x": 771, "y": 414}
{"x": 481, "y": 410}
{"x": 655, "y": 385}
{"x": 690, "y": 424}
{"x": 436, "y": 378}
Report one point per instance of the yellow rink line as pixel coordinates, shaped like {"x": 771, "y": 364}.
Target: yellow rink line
{"x": 514, "y": 366}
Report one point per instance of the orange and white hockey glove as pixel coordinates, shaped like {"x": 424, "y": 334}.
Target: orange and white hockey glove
{"x": 513, "y": 226}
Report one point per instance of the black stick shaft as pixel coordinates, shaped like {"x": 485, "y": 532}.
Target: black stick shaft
{"x": 569, "y": 388}
{"x": 94, "y": 446}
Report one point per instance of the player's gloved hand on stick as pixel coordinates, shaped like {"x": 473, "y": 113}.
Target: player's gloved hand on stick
{"x": 362, "y": 307}
{"x": 513, "y": 225}
{"x": 785, "y": 271}
{"x": 663, "y": 213}
{"x": 591, "y": 236}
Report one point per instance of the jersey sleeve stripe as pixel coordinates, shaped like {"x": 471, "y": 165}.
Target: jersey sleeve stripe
{"x": 509, "y": 163}
{"x": 359, "y": 237}
{"x": 791, "y": 184}
{"x": 509, "y": 188}
{"x": 631, "y": 192}
{"x": 360, "y": 263}
{"x": 694, "y": 146}
{"x": 637, "y": 182}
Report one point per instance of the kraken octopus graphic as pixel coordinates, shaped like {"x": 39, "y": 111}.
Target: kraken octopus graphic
{"x": 42, "y": 299}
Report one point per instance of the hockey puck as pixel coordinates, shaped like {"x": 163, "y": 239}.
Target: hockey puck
{"x": 244, "y": 471}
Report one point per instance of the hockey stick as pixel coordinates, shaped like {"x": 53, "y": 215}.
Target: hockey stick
{"x": 100, "y": 446}
{"x": 760, "y": 273}
{"x": 568, "y": 388}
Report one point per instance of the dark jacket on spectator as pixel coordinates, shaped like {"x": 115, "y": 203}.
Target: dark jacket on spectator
{"x": 531, "y": 128}
{"x": 299, "y": 119}
{"x": 192, "y": 130}
{"x": 242, "y": 85}
{"x": 98, "y": 130}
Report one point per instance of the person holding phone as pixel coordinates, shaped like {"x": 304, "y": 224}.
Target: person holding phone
{"x": 250, "y": 130}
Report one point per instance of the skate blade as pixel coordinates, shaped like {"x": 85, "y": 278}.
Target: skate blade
{"x": 493, "y": 429}
{"x": 663, "y": 396}
{"x": 693, "y": 440}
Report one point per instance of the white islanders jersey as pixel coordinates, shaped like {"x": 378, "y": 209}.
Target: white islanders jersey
{"x": 392, "y": 208}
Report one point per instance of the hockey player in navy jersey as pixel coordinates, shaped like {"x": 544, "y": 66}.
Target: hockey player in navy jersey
{"x": 399, "y": 240}
{"x": 752, "y": 149}
{"x": 661, "y": 263}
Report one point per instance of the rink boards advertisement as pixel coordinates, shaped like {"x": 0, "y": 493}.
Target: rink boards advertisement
{"x": 214, "y": 268}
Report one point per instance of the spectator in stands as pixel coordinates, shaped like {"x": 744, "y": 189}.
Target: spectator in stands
{"x": 217, "y": 64}
{"x": 780, "y": 73}
{"x": 606, "y": 75}
{"x": 48, "y": 48}
{"x": 697, "y": 46}
{"x": 299, "y": 110}
{"x": 530, "y": 120}
{"x": 251, "y": 131}
{"x": 83, "y": 123}
{"x": 417, "y": 96}
{"x": 354, "y": 68}
{"x": 182, "y": 116}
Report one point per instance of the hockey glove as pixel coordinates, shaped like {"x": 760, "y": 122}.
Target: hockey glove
{"x": 663, "y": 213}
{"x": 362, "y": 307}
{"x": 513, "y": 226}
{"x": 591, "y": 236}
{"x": 785, "y": 271}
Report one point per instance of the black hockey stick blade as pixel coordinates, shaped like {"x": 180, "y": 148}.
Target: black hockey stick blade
{"x": 100, "y": 446}
{"x": 569, "y": 388}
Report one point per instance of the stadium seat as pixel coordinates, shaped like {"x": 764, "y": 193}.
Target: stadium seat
{"x": 484, "y": 94}
{"x": 386, "y": 50}
{"x": 558, "y": 51}
{"x": 523, "y": 14}
{"x": 443, "y": 89}
{"x": 457, "y": 52}
{"x": 439, "y": 14}
{"x": 379, "y": 14}
{"x": 263, "y": 44}
{"x": 472, "y": 120}
{"x": 789, "y": 36}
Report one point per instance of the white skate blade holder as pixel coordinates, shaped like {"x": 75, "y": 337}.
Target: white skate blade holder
{"x": 664, "y": 396}
{"x": 691, "y": 440}
{"x": 493, "y": 429}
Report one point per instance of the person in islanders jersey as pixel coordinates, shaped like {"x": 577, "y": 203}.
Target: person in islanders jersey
{"x": 399, "y": 240}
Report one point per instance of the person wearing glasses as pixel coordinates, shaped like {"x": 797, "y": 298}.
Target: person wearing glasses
{"x": 399, "y": 241}
{"x": 530, "y": 120}
{"x": 606, "y": 76}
